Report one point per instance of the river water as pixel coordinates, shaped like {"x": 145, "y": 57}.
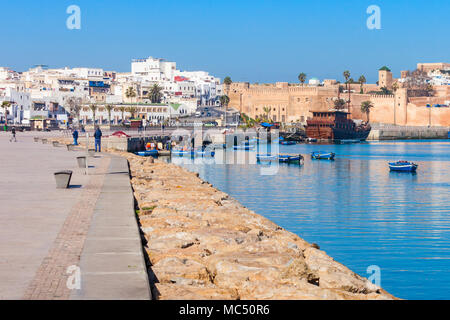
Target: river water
{"x": 355, "y": 209}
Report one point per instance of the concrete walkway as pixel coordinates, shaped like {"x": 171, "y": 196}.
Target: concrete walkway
{"x": 44, "y": 231}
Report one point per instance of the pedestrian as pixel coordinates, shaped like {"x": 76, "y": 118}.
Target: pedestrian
{"x": 98, "y": 140}
{"x": 13, "y": 135}
{"x": 75, "y": 137}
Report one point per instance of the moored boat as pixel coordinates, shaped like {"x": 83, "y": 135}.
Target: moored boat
{"x": 266, "y": 157}
{"x": 245, "y": 147}
{"x": 404, "y": 166}
{"x": 147, "y": 153}
{"x": 287, "y": 143}
{"x": 320, "y": 155}
{"x": 287, "y": 158}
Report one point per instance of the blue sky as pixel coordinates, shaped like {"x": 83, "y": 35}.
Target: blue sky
{"x": 257, "y": 41}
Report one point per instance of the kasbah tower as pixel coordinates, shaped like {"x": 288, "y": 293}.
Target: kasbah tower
{"x": 290, "y": 103}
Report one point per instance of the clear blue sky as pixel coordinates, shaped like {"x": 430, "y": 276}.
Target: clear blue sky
{"x": 257, "y": 41}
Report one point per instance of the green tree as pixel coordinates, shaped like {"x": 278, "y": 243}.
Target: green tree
{"x": 227, "y": 81}
{"x": 339, "y": 104}
{"x": 130, "y": 93}
{"x": 365, "y": 108}
{"x": 109, "y": 108}
{"x": 5, "y": 106}
{"x": 302, "y": 78}
{"x": 132, "y": 110}
{"x": 267, "y": 113}
{"x": 155, "y": 93}
{"x": 362, "y": 80}
{"x": 224, "y": 101}
{"x": 93, "y": 108}
{"x": 122, "y": 110}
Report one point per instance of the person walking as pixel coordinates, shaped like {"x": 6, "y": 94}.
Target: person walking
{"x": 98, "y": 140}
{"x": 13, "y": 135}
{"x": 75, "y": 137}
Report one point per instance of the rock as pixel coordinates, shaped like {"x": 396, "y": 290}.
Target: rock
{"x": 202, "y": 244}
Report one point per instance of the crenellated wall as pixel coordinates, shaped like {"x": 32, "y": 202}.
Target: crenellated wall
{"x": 294, "y": 103}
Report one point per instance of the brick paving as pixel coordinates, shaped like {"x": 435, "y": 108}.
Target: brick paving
{"x": 50, "y": 280}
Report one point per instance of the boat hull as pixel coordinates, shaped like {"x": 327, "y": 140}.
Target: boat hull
{"x": 403, "y": 167}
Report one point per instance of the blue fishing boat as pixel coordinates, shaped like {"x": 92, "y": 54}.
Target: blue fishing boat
{"x": 287, "y": 143}
{"x": 404, "y": 166}
{"x": 183, "y": 153}
{"x": 245, "y": 147}
{"x": 266, "y": 157}
{"x": 323, "y": 155}
{"x": 286, "y": 158}
{"x": 205, "y": 153}
{"x": 147, "y": 153}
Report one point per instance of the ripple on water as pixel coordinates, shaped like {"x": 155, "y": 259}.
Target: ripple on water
{"x": 359, "y": 212}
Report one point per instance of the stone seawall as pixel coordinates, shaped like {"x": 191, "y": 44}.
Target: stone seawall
{"x": 202, "y": 244}
{"x": 408, "y": 133}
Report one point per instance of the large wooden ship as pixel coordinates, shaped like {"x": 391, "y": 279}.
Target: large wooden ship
{"x": 335, "y": 125}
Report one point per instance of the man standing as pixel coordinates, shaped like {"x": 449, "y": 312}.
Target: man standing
{"x": 98, "y": 140}
{"x": 75, "y": 137}
{"x": 13, "y": 133}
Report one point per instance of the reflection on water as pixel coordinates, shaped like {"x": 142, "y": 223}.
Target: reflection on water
{"x": 356, "y": 210}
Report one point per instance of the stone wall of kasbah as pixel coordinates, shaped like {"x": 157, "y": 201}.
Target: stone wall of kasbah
{"x": 295, "y": 103}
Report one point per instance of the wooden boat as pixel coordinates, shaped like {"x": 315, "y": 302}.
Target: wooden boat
{"x": 287, "y": 143}
{"x": 147, "y": 153}
{"x": 205, "y": 153}
{"x": 266, "y": 157}
{"x": 335, "y": 125}
{"x": 183, "y": 153}
{"x": 244, "y": 147}
{"x": 286, "y": 158}
{"x": 283, "y": 158}
{"x": 404, "y": 166}
{"x": 323, "y": 155}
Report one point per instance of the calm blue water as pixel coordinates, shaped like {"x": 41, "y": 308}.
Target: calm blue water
{"x": 359, "y": 212}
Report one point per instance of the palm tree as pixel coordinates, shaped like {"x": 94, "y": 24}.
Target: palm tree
{"x": 365, "y": 108}
{"x": 347, "y": 77}
{"x": 267, "y": 112}
{"x": 109, "y": 108}
{"x": 362, "y": 80}
{"x": 93, "y": 108}
{"x": 155, "y": 94}
{"x": 122, "y": 110}
{"x": 339, "y": 104}
{"x": 395, "y": 87}
{"x": 227, "y": 81}
{"x": 132, "y": 110}
{"x": 5, "y": 106}
{"x": 224, "y": 101}
{"x": 130, "y": 93}
{"x": 302, "y": 78}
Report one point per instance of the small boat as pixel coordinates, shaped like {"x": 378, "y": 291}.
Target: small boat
{"x": 404, "y": 166}
{"x": 266, "y": 157}
{"x": 244, "y": 147}
{"x": 147, "y": 153}
{"x": 323, "y": 155}
{"x": 287, "y": 143}
{"x": 205, "y": 153}
{"x": 286, "y": 158}
{"x": 183, "y": 153}
{"x": 311, "y": 140}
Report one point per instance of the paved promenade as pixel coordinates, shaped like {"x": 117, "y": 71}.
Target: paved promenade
{"x": 44, "y": 231}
